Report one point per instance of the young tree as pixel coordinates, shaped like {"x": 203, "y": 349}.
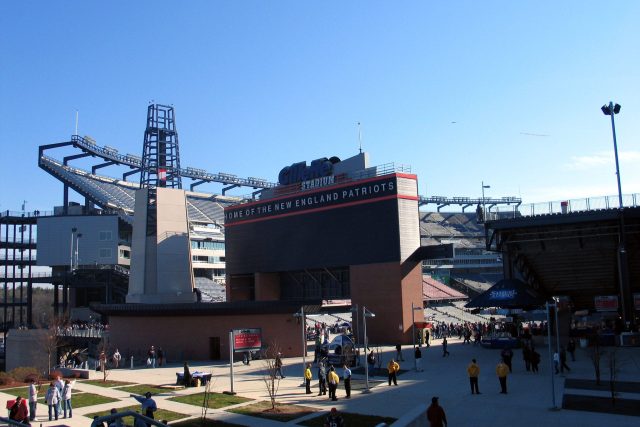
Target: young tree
{"x": 613, "y": 374}
{"x": 103, "y": 349}
{"x": 271, "y": 381}
{"x": 595, "y": 356}
{"x": 52, "y": 339}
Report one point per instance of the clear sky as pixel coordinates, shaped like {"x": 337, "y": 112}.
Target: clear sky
{"x": 508, "y": 92}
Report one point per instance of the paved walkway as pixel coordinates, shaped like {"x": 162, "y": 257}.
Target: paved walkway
{"x": 528, "y": 403}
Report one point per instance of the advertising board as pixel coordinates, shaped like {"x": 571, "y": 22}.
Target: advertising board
{"x": 606, "y": 303}
{"x": 247, "y": 339}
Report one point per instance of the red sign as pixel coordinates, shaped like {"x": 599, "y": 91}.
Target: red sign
{"x": 606, "y": 303}
{"x": 247, "y": 339}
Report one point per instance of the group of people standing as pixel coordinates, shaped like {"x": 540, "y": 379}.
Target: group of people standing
{"x": 328, "y": 380}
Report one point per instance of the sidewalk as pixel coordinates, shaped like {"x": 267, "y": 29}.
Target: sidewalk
{"x": 528, "y": 402}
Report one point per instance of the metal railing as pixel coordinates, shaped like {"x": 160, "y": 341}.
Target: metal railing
{"x": 567, "y": 206}
{"x": 119, "y": 415}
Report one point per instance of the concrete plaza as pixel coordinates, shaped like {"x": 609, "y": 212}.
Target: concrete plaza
{"x": 528, "y": 402}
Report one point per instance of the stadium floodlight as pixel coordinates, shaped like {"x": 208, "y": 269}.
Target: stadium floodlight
{"x": 625, "y": 292}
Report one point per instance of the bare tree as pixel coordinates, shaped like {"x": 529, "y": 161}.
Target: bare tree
{"x": 596, "y": 356}
{"x": 103, "y": 349}
{"x": 52, "y": 339}
{"x": 271, "y": 381}
{"x": 613, "y": 374}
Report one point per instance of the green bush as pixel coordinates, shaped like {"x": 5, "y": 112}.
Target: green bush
{"x": 23, "y": 374}
{"x": 5, "y": 379}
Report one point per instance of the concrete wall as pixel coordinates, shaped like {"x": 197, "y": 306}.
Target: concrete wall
{"x": 27, "y": 348}
{"x": 388, "y": 291}
{"x": 161, "y": 264}
{"x": 54, "y": 240}
{"x": 267, "y": 286}
{"x": 188, "y": 337}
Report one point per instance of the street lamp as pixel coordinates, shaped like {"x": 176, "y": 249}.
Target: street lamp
{"x": 354, "y": 310}
{"x": 413, "y": 332}
{"x": 484, "y": 210}
{"x": 366, "y": 313}
{"x": 627, "y": 315}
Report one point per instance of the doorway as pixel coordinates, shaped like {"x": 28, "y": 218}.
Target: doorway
{"x": 214, "y": 348}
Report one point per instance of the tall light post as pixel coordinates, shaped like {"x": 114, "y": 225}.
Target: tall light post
{"x": 625, "y": 292}
{"x": 78, "y": 236}
{"x": 366, "y": 313}
{"x": 413, "y": 332}
{"x": 484, "y": 210}
{"x": 303, "y": 321}
{"x": 354, "y": 310}
{"x": 73, "y": 232}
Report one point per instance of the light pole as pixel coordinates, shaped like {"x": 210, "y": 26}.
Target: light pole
{"x": 73, "y": 232}
{"x": 354, "y": 310}
{"x": 78, "y": 236}
{"x": 413, "y": 332}
{"x": 625, "y": 291}
{"x": 366, "y": 313}
{"x": 300, "y": 315}
{"x": 484, "y": 210}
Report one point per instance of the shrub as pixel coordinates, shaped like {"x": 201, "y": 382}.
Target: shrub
{"x": 5, "y": 379}
{"x": 55, "y": 374}
{"x": 23, "y": 374}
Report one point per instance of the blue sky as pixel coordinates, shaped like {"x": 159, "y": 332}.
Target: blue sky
{"x": 465, "y": 91}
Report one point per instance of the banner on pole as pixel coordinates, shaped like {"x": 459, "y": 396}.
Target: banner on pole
{"x": 247, "y": 339}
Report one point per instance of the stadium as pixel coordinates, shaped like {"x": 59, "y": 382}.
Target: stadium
{"x": 439, "y": 259}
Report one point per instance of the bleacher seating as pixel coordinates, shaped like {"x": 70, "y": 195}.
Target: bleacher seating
{"x": 210, "y": 290}
{"x": 434, "y": 290}
{"x": 120, "y": 195}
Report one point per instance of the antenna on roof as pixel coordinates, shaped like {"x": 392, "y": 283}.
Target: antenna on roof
{"x": 360, "y": 138}
{"x": 76, "y": 123}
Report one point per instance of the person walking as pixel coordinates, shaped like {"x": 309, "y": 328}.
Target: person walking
{"x": 436, "y": 415}
{"x": 418, "y": 357}
{"x": 445, "y": 344}
{"x": 393, "y": 367}
{"x": 160, "y": 356}
{"x": 556, "y": 362}
{"x": 307, "y": 378}
{"x": 152, "y": 356}
{"x": 59, "y": 385}
{"x": 563, "y": 360}
{"x": 427, "y": 335}
{"x": 117, "y": 357}
{"x": 507, "y": 355}
{"x": 526, "y": 356}
{"x": 66, "y": 397}
{"x": 535, "y": 360}
{"x": 474, "y": 371}
{"x": 502, "y": 370}
{"x": 571, "y": 348}
{"x": 52, "y": 397}
{"x": 278, "y": 364}
{"x": 322, "y": 379}
{"x": 333, "y": 379}
{"x": 399, "y": 357}
{"x": 371, "y": 361}
{"x": 33, "y": 399}
{"x": 346, "y": 375}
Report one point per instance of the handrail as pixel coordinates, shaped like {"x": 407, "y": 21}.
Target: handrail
{"x": 112, "y": 417}
{"x": 569, "y": 206}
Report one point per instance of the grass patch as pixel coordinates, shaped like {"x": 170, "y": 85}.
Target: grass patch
{"x": 207, "y": 422}
{"x": 160, "y": 414}
{"x": 141, "y": 389}
{"x": 22, "y": 391}
{"x": 107, "y": 383}
{"x": 216, "y": 400}
{"x": 80, "y": 400}
{"x": 350, "y": 420}
{"x": 282, "y": 413}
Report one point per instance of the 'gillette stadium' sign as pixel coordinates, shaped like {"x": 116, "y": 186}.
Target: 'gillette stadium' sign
{"x": 298, "y": 172}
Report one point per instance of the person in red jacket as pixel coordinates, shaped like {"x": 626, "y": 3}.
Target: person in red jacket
{"x": 436, "y": 415}
{"x": 19, "y": 412}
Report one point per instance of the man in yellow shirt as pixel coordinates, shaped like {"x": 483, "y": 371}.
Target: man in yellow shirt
{"x": 474, "y": 371}
{"x": 393, "y": 367}
{"x": 307, "y": 378}
{"x": 333, "y": 379}
{"x": 502, "y": 370}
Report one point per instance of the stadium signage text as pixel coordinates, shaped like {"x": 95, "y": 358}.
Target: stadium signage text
{"x": 365, "y": 191}
{"x": 298, "y": 172}
{"x": 504, "y": 294}
{"x": 318, "y": 182}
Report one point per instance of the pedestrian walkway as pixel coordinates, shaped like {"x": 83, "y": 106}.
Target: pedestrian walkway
{"x": 528, "y": 402}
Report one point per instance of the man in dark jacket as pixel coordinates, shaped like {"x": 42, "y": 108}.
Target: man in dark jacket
{"x": 436, "y": 415}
